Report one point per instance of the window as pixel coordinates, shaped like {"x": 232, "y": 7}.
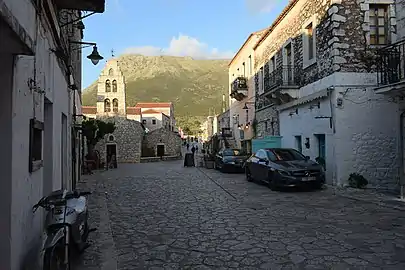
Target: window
{"x": 111, "y": 138}
{"x": 261, "y": 154}
{"x": 288, "y": 155}
{"x": 271, "y": 156}
{"x": 111, "y": 72}
{"x": 379, "y": 24}
{"x": 115, "y": 105}
{"x": 288, "y": 54}
{"x": 265, "y": 126}
{"x": 153, "y": 121}
{"x": 250, "y": 65}
{"x": 310, "y": 41}
{"x": 35, "y": 140}
{"x": 144, "y": 121}
{"x": 114, "y": 86}
{"x": 244, "y": 69}
{"x": 107, "y": 105}
{"x": 261, "y": 80}
{"x": 107, "y": 86}
{"x": 230, "y": 152}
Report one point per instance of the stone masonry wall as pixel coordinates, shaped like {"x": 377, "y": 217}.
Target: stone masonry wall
{"x": 268, "y": 115}
{"x": 128, "y": 137}
{"x": 400, "y": 9}
{"x": 170, "y": 139}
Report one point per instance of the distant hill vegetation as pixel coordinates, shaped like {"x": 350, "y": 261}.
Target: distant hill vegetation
{"x": 194, "y": 86}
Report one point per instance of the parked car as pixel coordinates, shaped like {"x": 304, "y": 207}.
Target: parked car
{"x": 282, "y": 167}
{"x": 230, "y": 160}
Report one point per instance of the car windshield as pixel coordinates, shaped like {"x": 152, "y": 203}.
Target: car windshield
{"x": 231, "y": 152}
{"x": 288, "y": 155}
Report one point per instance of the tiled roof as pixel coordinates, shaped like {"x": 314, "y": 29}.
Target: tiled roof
{"x": 133, "y": 111}
{"x": 150, "y": 111}
{"x": 89, "y": 109}
{"x": 152, "y": 105}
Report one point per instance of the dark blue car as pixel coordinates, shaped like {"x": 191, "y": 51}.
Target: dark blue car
{"x": 283, "y": 167}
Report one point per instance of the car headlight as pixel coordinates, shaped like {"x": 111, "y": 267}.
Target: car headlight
{"x": 230, "y": 162}
{"x": 284, "y": 173}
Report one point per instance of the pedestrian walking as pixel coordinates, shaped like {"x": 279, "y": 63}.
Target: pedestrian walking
{"x": 188, "y": 146}
{"x": 196, "y": 149}
{"x": 192, "y": 150}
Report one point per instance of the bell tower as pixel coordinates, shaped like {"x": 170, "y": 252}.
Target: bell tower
{"x": 111, "y": 98}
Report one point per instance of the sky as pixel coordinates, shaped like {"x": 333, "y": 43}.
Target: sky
{"x": 203, "y": 29}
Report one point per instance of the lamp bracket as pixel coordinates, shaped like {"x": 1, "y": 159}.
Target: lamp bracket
{"x": 78, "y": 19}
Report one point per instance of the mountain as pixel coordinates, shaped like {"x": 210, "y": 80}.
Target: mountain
{"x": 194, "y": 86}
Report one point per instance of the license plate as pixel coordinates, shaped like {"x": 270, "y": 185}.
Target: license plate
{"x": 311, "y": 178}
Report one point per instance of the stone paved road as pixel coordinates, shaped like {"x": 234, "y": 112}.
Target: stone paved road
{"x": 165, "y": 216}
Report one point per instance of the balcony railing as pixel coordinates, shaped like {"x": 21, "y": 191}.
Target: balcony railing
{"x": 281, "y": 77}
{"x": 239, "y": 88}
{"x": 391, "y": 63}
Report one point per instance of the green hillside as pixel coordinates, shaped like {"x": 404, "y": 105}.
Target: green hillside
{"x": 194, "y": 86}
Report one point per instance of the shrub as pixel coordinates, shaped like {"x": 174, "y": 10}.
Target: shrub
{"x": 357, "y": 180}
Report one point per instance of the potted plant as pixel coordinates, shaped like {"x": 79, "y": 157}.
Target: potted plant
{"x": 357, "y": 180}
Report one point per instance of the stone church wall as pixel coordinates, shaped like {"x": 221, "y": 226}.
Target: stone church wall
{"x": 171, "y": 141}
{"x": 127, "y": 136}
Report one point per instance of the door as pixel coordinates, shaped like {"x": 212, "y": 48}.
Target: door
{"x": 112, "y": 154}
{"x": 63, "y": 152}
{"x": 160, "y": 150}
{"x": 322, "y": 148}
{"x": 298, "y": 143}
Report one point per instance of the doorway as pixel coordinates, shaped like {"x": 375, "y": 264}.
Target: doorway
{"x": 321, "y": 148}
{"x": 298, "y": 143}
{"x": 112, "y": 155}
{"x": 48, "y": 151}
{"x": 160, "y": 150}
{"x": 63, "y": 152}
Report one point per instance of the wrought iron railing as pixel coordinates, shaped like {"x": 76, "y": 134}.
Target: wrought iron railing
{"x": 240, "y": 83}
{"x": 391, "y": 63}
{"x": 282, "y": 76}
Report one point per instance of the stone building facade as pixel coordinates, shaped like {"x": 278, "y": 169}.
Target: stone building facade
{"x": 132, "y": 123}
{"x": 126, "y": 140}
{"x": 315, "y": 80}
{"x": 40, "y": 73}
{"x": 163, "y": 138}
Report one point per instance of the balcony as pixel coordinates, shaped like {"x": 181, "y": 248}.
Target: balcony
{"x": 282, "y": 85}
{"x": 239, "y": 88}
{"x": 97, "y": 6}
{"x": 391, "y": 66}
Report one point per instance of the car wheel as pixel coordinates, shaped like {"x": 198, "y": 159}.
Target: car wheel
{"x": 249, "y": 177}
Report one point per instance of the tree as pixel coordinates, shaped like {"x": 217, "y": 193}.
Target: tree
{"x": 95, "y": 130}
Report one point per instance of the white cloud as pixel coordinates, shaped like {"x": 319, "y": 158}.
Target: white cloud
{"x": 263, "y": 6}
{"x": 183, "y": 46}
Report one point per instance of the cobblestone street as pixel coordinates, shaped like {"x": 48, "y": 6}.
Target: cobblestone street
{"x": 165, "y": 216}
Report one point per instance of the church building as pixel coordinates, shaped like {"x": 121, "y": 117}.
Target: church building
{"x": 133, "y": 124}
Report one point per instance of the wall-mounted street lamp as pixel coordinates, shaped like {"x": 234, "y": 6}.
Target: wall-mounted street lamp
{"x": 247, "y": 110}
{"x": 95, "y": 57}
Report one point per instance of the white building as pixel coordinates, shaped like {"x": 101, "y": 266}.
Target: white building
{"x": 318, "y": 77}
{"x": 40, "y": 93}
{"x": 241, "y": 68}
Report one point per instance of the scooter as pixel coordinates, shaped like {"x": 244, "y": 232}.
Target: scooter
{"x": 66, "y": 227}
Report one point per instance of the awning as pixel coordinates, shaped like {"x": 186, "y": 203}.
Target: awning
{"x": 307, "y": 99}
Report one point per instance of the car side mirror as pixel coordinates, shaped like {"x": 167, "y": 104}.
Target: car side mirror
{"x": 307, "y": 157}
